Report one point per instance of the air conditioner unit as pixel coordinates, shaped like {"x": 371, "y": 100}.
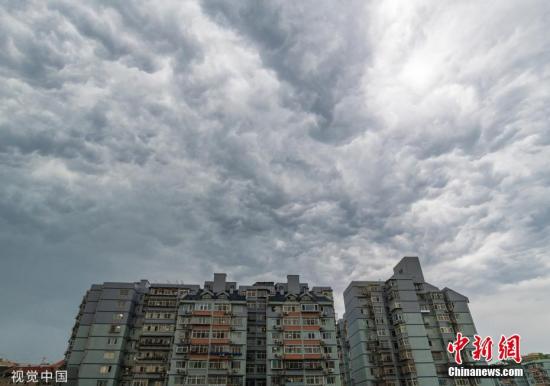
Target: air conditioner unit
{"x": 331, "y": 371}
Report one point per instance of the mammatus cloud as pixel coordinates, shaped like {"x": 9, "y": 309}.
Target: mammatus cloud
{"x": 167, "y": 141}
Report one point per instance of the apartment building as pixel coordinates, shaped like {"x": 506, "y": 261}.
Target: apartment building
{"x": 142, "y": 334}
{"x": 536, "y": 371}
{"x": 210, "y": 337}
{"x": 398, "y": 330}
{"x": 123, "y": 334}
{"x": 153, "y": 334}
{"x": 301, "y": 336}
{"x": 257, "y": 297}
{"x": 102, "y": 334}
{"x": 343, "y": 352}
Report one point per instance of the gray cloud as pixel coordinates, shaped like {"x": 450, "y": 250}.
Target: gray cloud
{"x": 261, "y": 139}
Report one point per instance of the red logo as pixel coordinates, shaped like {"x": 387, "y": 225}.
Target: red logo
{"x": 458, "y": 346}
{"x": 483, "y": 348}
{"x": 508, "y": 348}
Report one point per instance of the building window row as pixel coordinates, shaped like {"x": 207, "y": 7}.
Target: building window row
{"x": 159, "y": 315}
{"x": 158, "y": 327}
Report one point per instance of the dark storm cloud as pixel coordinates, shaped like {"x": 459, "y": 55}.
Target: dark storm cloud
{"x": 170, "y": 141}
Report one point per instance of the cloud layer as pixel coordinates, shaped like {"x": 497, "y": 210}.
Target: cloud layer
{"x": 170, "y": 140}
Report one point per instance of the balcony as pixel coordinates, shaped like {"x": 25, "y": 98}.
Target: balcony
{"x": 152, "y": 359}
{"x": 395, "y": 305}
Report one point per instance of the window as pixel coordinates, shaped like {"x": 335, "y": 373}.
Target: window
{"x": 202, "y": 349}
{"x": 101, "y": 383}
{"x": 404, "y": 342}
{"x": 291, "y": 321}
{"x": 197, "y": 364}
{"x": 310, "y": 307}
{"x": 222, "y": 307}
{"x": 237, "y": 321}
{"x": 276, "y": 364}
{"x": 219, "y": 334}
{"x": 292, "y": 335}
{"x": 203, "y": 306}
{"x": 115, "y": 329}
{"x": 314, "y": 380}
{"x": 217, "y": 365}
{"x": 180, "y": 364}
{"x": 217, "y": 380}
{"x": 310, "y": 335}
{"x": 158, "y": 327}
{"x": 310, "y": 321}
{"x": 290, "y": 308}
{"x": 312, "y": 349}
{"x": 293, "y": 349}
{"x": 219, "y": 320}
{"x": 195, "y": 380}
{"x": 397, "y": 317}
{"x": 104, "y": 369}
{"x": 109, "y": 355}
{"x": 123, "y": 292}
{"x": 200, "y": 334}
{"x": 118, "y": 316}
{"x": 112, "y": 341}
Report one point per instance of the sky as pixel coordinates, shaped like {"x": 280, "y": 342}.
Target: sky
{"x": 170, "y": 140}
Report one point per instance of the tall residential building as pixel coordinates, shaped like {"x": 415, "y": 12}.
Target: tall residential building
{"x": 536, "y": 371}
{"x": 301, "y": 336}
{"x": 398, "y": 330}
{"x": 343, "y": 352}
{"x": 153, "y": 334}
{"x": 265, "y": 334}
{"x": 210, "y": 338}
{"x": 123, "y": 334}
